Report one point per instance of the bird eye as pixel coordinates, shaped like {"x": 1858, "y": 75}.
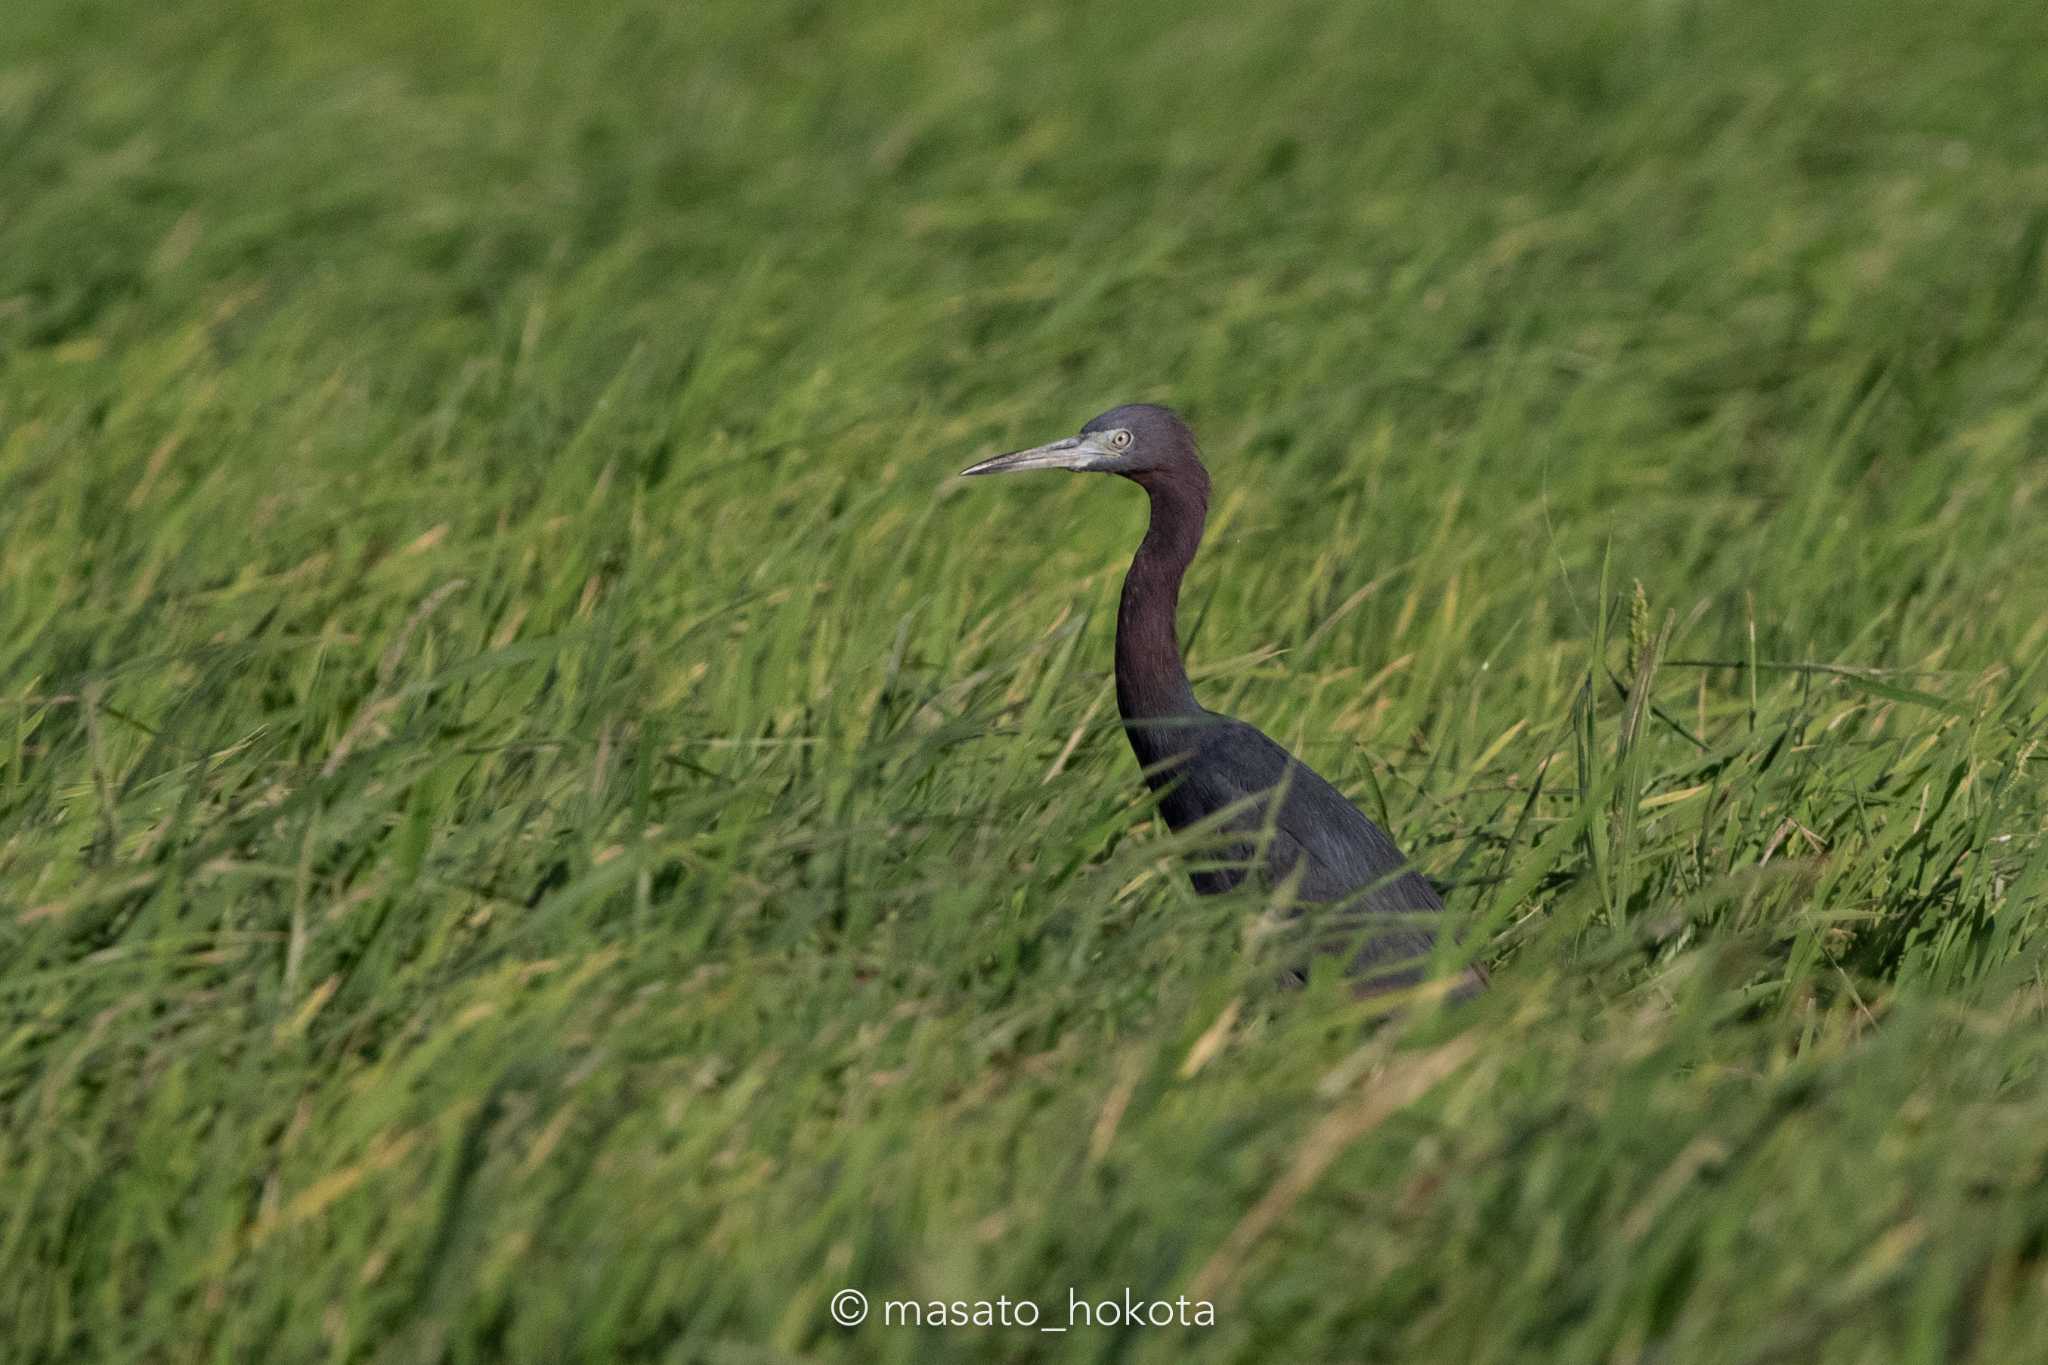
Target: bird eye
{"x": 1120, "y": 440}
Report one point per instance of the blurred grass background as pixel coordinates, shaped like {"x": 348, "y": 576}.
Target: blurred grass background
{"x": 538, "y": 821}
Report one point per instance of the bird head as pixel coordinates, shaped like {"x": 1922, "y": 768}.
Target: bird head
{"x": 1137, "y": 440}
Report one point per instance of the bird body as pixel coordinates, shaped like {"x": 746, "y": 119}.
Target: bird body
{"x": 1207, "y": 766}
{"x": 1319, "y": 839}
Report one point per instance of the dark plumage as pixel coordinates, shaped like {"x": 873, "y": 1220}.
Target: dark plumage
{"x": 1203, "y": 763}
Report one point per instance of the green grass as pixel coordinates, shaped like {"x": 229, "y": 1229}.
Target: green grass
{"x": 539, "y": 821}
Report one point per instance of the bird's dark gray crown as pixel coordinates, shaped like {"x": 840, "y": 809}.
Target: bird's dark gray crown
{"x": 1141, "y": 420}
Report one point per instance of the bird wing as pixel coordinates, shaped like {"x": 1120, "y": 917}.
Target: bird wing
{"x": 1345, "y": 852}
{"x": 1339, "y": 855}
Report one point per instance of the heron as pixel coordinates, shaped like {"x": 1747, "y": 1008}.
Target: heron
{"x": 1205, "y": 766}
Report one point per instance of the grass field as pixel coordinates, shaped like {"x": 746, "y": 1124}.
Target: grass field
{"x": 540, "y": 821}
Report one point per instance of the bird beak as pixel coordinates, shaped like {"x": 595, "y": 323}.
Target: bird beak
{"x": 1075, "y": 452}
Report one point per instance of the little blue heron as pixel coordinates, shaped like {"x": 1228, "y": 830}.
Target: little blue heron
{"x": 1202, "y": 763}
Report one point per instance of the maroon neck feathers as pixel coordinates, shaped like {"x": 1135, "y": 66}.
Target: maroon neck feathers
{"x": 1151, "y": 680}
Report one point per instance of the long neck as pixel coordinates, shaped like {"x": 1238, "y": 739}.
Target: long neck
{"x": 1151, "y": 680}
